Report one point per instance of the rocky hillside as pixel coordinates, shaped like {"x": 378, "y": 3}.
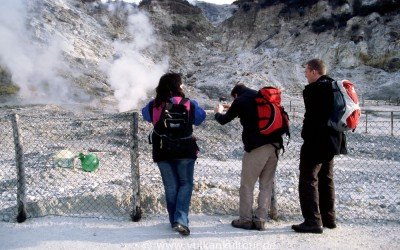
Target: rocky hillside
{"x": 110, "y": 55}
{"x": 359, "y": 39}
{"x": 217, "y": 13}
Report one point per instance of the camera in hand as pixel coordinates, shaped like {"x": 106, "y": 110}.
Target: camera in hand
{"x": 224, "y": 102}
{"x": 222, "y": 99}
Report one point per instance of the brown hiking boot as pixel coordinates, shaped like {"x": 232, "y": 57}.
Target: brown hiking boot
{"x": 259, "y": 225}
{"x": 245, "y": 224}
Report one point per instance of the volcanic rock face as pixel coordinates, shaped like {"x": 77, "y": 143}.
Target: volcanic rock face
{"x": 356, "y": 44}
{"x": 262, "y": 43}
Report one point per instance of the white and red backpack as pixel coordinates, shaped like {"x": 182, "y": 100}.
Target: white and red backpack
{"x": 346, "y": 109}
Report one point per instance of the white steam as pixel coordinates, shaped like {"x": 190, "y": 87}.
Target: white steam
{"x": 133, "y": 73}
{"x": 34, "y": 67}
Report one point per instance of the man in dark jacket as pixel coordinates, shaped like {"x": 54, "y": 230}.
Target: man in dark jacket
{"x": 259, "y": 160}
{"x": 321, "y": 144}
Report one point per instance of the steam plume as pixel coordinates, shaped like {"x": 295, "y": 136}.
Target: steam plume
{"x": 34, "y": 67}
{"x": 133, "y": 73}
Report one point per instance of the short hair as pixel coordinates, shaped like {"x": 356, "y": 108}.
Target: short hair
{"x": 239, "y": 88}
{"x": 318, "y": 65}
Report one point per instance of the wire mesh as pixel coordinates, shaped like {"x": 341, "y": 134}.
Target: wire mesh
{"x": 57, "y": 182}
{"x": 8, "y": 172}
{"x": 367, "y": 179}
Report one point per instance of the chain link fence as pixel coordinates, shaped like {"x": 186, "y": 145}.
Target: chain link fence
{"x": 35, "y": 181}
{"x": 367, "y": 179}
{"x": 42, "y": 175}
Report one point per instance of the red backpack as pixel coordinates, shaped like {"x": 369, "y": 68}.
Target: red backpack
{"x": 346, "y": 109}
{"x": 272, "y": 117}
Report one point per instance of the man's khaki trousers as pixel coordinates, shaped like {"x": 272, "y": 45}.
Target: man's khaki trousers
{"x": 259, "y": 164}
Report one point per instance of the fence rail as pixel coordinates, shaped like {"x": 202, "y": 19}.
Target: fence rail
{"x": 366, "y": 179}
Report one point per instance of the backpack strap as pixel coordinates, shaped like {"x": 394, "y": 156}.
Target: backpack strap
{"x": 277, "y": 147}
{"x": 186, "y": 102}
{"x": 155, "y": 113}
{"x": 149, "y": 136}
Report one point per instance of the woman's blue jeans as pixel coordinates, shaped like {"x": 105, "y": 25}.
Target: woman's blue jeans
{"x": 177, "y": 177}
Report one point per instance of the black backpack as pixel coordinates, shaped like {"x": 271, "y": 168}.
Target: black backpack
{"x": 174, "y": 127}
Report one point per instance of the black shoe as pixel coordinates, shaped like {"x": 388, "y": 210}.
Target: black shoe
{"x": 330, "y": 225}
{"x": 304, "y": 228}
{"x": 181, "y": 229}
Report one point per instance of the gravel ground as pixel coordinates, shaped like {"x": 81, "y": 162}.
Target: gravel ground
{"x": 207, "y": 232}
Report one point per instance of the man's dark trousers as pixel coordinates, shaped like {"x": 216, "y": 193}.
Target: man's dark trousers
{"x": 316, "y": 189}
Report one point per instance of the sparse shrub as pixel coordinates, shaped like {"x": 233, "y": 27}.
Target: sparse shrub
{"x": 357, "y": 38}
{"x": 341, "y": 20}
{"x": 301, "y": 11}
{"x": 393, "y": 65}
{"x": 296, "y": 6}
{"x": 8, "y": 89}
{"x": 382, "y": 7}
{"x": 360, "y": 10}
{"x": 266, "y": 3}
{"x": 144, "y": 2}
{"x": 177, "y": 29}
{"x": 245, "y": 7}
{"x": 388, "y": 19}
{"x": 323, "y": 24}
{"x": 387, "y": 6}
{"x": 355, "y": 27}
{"x": 189, "y": 27}
{"x": 337, "y": 3}
{"x": 394, "y": 36}
{"x": 365, "y": 57}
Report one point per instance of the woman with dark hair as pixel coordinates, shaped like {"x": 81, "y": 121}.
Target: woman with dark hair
{"x": 175, "y": 157}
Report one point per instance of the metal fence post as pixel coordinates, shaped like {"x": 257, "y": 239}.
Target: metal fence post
{"x": 294, "y": 114}
{"x": 391, "y": 123}
{"x": 273, "y": 211}
{"x": 136, "y": 214}
{"x": 366, "y": 122}
{"x": 19, "y": 158}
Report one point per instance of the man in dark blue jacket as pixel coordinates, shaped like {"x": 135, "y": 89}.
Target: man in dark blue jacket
{"x": 321, "y": 144}
{"x": 259, "y": 161}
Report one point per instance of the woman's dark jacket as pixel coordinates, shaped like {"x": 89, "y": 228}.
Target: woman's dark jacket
{"x": 244, "y": 106}
{"x": 320, "y": 141}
